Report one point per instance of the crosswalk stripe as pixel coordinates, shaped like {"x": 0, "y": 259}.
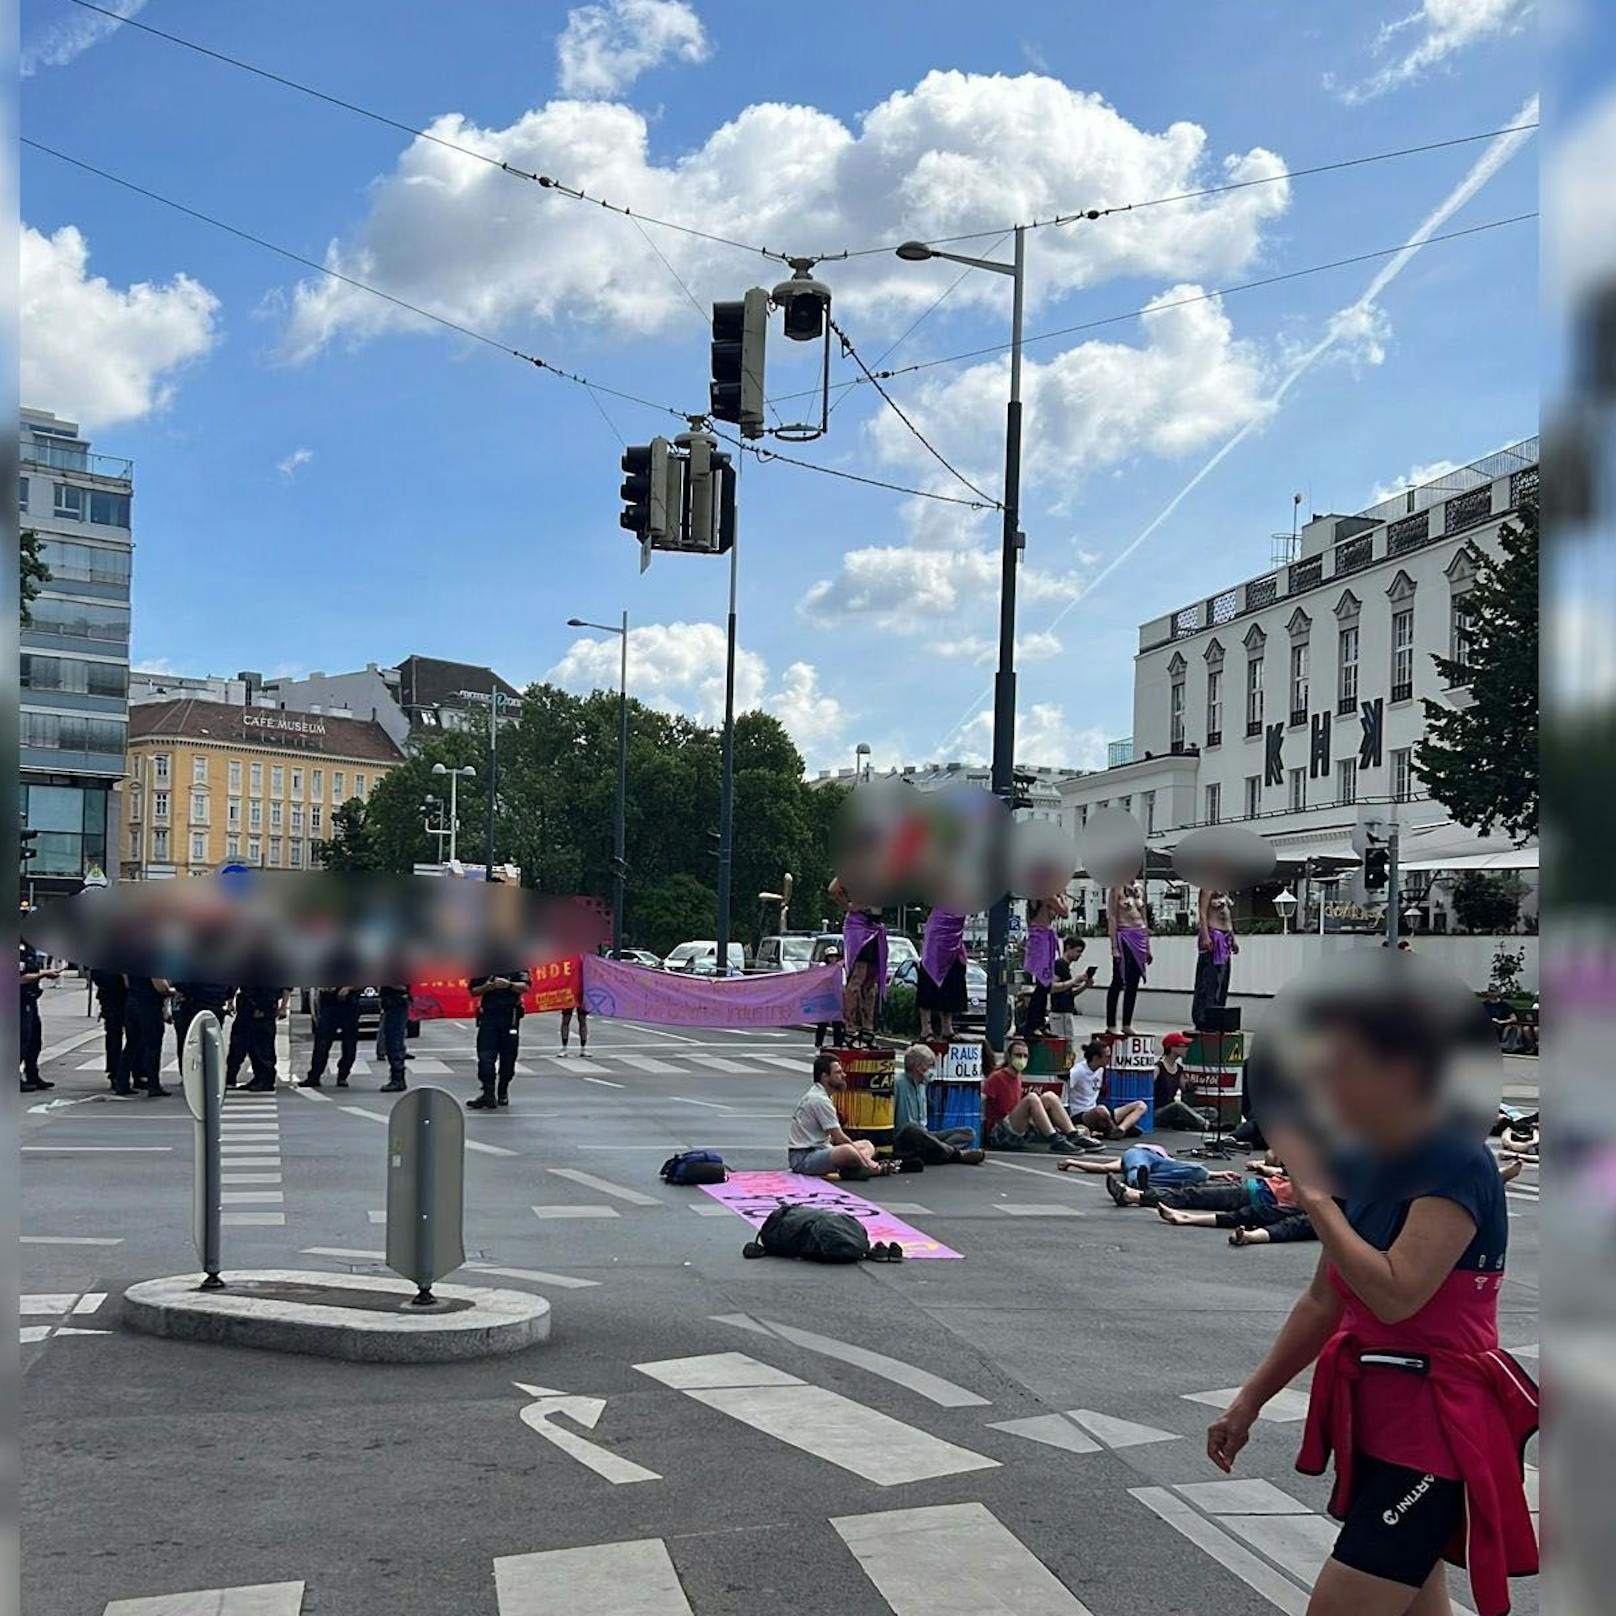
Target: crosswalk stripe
{"x": 275, "y": 1219}
{"x": 1283, "y": 1406}
{"x": 1115, "y": 1433}
{"x": 953, "y": 1560}
{"x": 251, "y": 1198}
{"x": 261, "y": 1599}
{"x": 1053, "y": 1430}
{"x": 1233, "y": 1556}
{"x": 644, "y": 1063}
{"x": 604, "y": 1579}
{"x": 786, "y": 1062}
{"x": 571, "y": 1210}
{"x": 712, "y": 1062}
{"x": 605, "y": 1186}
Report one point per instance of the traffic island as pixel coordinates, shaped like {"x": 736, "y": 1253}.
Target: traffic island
{"x": 363, "y": 1318}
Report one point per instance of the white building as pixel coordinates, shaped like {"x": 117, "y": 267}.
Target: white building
{"x": 1291, "y": 702}
{"x": 1039, "y": 787}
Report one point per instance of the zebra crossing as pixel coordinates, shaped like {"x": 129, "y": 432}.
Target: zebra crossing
{"x": 58, "y": 1309}
{"x": 251, "y": 1193}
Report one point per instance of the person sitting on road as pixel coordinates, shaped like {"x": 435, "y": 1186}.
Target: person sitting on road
{"x": 1171, "y": 1111}
{"x": 1010, "y": 1110}
{"x": 911, "y": 1140}
{"x": 1083, "y": 1097}
{"x": 816, "y": 1144}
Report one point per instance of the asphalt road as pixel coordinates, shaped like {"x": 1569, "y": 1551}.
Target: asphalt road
{"x": 810, "y": 1469}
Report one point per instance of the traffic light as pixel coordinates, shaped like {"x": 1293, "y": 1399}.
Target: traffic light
{"x": 709, "y": 496}
{"x": 739, "y": 331}
{"x": 26, "y": 849}
{"x": 724, "y": 501}
{"x": 1377, "y": 869}
{"x": 645, "y": 490}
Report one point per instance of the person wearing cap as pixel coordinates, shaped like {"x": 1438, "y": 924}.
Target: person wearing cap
{"x": 1171, "y": 1111}
{"x": 837, "y": 1028}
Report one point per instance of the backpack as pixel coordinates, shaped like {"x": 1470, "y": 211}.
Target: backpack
{"x": 817, "y": 1235}
{"x": 695, "y": 1167}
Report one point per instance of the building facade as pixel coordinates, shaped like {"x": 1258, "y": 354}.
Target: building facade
{"x": 1039, "y": 788}
{"x": 211, "y": 782}
{"x": 420, "y": 696}
{"x": 74, "y": 653}
{"x": 1291, "y": 703}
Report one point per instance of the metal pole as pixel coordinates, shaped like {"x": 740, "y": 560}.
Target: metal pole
{"x": 1004, "y": 686}
{"x": 425, "y": 1202}
{"x": 726, "y": 786}
{"x": 212, "y": 1180}
{"x": 454, "y": 811}
{"x": 1394, "y": 907}
{"x": 620, "y": 819}
{"x": 493, "y": 776}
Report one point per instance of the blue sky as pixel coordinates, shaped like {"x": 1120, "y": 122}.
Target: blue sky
{"x": 321, "y": 483}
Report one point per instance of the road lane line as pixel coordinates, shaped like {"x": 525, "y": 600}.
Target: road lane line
{"x": 80, "y": 1150}
{"x": 603, "y": 1082}
{"x": 605, "y": 1186}
{"x": 260, "y": 1599}
{"x": 563, "y": 1282}
{"x": 70, "y": 1240}
{"x": 1232, "y": 1555}
{"x": 602, "y": 1579}
{"x": 571, "y": 1211}
{"x": 1115, "y": 1433}
{"x": 471, "y": 1144}
{"x": 277, "y": 1219}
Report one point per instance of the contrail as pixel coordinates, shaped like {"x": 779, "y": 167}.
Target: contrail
{"x": 1487, "y": 165}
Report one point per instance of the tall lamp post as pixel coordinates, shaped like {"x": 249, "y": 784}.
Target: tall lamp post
{"x": 455, "y": 777}
{"x": 497, "y": 702}
{"x": 1004, "y": 683}
{"x": 620, "y": 812}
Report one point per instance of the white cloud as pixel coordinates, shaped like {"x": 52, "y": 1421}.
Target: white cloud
{"x": 958, "y": 152}
{"x": 1414, "y": 478}
{"x": 679, "y": 668}
{"x": 605, "y": 47}
{"x": 1428, "y": 37}
{"x": 94, "y": 352}
{"x": 288, "y": 467}
{"x": 1044, "y": 739}
{"x": 69, "y": 37}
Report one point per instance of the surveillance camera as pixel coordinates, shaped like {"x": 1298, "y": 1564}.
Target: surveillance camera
{"x": 805, "y": 303}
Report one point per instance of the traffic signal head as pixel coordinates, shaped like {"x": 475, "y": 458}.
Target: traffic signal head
{"x": 644, "y": 490}
{"x": 740, "y": 330}
{"x": 1377, "y": 869}
{"x": 805, "y": 302}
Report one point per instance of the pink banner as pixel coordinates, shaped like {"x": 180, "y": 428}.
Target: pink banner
{"x": 754, "y": 1196}
{"x": 782, "y": 999}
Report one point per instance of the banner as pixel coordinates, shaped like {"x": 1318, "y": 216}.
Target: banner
{"x": 754, "y": 1196}
{"x": 445, "y": 997}
{"x": 782, "y": 999}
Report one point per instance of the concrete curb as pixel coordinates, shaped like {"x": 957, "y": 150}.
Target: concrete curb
{"x": 490, "y": 1323}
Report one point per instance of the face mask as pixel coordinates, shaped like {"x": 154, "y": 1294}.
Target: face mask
{"x": 1019, "y": 1062}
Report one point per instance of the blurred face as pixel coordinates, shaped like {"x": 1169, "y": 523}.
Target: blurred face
{"x": 1365, "y": 1096}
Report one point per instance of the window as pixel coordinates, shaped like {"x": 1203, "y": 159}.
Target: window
{"x": 79, "y": 620}
{"x": 1346, "y": 686}
{"x": 1214, "y": 804}
{"x": 159, "y": 846}
{"x": 67, "y": 732}
{"x": 134, "y": 803}
{"x": 159, "y": 805}
{"x": 337, "y": 778}
{"x": 199, "y": 770}
{"x": 274, "y": 813}
{"x": 296, "y": 824}
{"x": 359, "y": 785}
{"x": 315, "y": 819}
{"x": 257, "y": 777}
{"x": 1147, "y": 802}
{"x": 1346, "y": 781}
{"x": 69, "y": 502}
{"x": 232, "y": 847}
{"x": 255, "y": 850}
{"x": 1253, "y": 795}
{"x": 22, "y": 493}
{"x": 235, "y": 775}
{"x": 1299, "y": 684}
{"x": 1214, "y": 707}
{"x": 1125, "y": 804}
{"x": 1403, "y": 655}
{"x": 71, "y": 674}
{"x": 255, "y": 814}
{"x": 1298, "y": 789}
{"x": 160, "y": 766}
{"x": 199, "y": 848}
{"x": 85, "y": 563}
{"x": 199, "y": 808}
{"x": 134, "y": 842}
{"x": 275, "y": 850}
{"x": 296, "y": 850}
{"x": 110, "y": 510}
{"x": 1175, "y": 709}
{"x": 277, "y": 781}
{"x": 317, "y": 784}
{"x": 1254, "y": 696}
{"x": 232, "y": 813}
{"x": 297, "y": 782}
{"x": 1403, "y": 774}
{"x": 1461, "y": 637}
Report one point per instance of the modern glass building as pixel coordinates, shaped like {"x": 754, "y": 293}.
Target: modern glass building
{"x": 74, "y": 663}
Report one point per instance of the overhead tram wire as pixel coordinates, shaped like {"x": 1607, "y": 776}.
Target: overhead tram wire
{"x": 575, "y": 194}
{"x": 594, "y": 388}
{"x": 768, "y": 456}
{"x": 1173, "y": 303}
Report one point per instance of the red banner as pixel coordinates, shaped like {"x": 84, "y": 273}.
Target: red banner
{"x": 443, "y": 996}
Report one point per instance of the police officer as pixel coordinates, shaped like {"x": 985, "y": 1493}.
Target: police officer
{"x": 236, "y": 1050}
{"x": 258, "y": 1009}
{"x": 499, "y": 1019}
{"x": 32, "y": 969}
{"x": 112, "y": 1001}
{"x": 142, "y": 1061}
{"x": 190, "y": 1000}
{"x": 392, "y": 1033}
{"x": 336, "y": 1018}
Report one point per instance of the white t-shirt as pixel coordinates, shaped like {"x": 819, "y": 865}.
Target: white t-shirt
{"x": 1083, "y": 1087}
{"x": 812, "y": 1121}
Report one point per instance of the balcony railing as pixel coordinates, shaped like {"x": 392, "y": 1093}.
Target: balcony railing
{"x": 1467, "y": 509}
{"x": 1353, "y": 555}
{"x": 1261, "y": 592}
{"x": 68, "y": 456}
{"x": 1522, "y": 486}
{"x": 1302, "y": 575}
{"x": 1408, "y": 534}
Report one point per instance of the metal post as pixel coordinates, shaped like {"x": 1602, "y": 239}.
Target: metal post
{"x": 454, "y": 811}
{"x": 212, "y": 1181}
{"x": 1394, "y": 907}
{"x": 726, "y": 786}
{"x": 620, "y": 819}
{"x": 493, "y": 776}
{"x": 1004, "y": 685}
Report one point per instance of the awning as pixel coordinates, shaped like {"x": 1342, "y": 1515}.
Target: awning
{"x": 1509, "y": 858}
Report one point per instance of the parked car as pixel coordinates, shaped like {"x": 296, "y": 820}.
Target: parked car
{"x": 701, "y": 959}
{"x": 905, "y": 974}
{"x": 370, "y": 1013}
{"x": 638, "y": 956}
{"x": 785, "y": 951}
{"x": 900, "y": 950}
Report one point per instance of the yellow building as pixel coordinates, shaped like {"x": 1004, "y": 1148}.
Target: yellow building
{"x": 211, "y": 781}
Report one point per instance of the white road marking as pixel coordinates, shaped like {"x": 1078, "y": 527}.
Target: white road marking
{"x": 1053, "y": 1430}
{"x": 1115, "y": 1433}
{"x": 932, "y": 1387}
{"x": 644, "y": 1063}
{"x": 1242, "y": 1497}
{"x": 908, "y": 1209}
{"x": 1233, "y": 1556}
{"x": 850, "y": 1435}
{"x": 249, "y": 1178}
{"x": 574, "y": 1211}
{"x": 713, "y": 1063}
{"x": 799, "y": 1063}
{"x": 251, "y": 1198}
{"x": 70, "y": 1240}
{"x": 708, "y": 1209}
{"x": 28, "y": 1334}
{"x": 1021, "y": 1167}
{"x": 377, "y": 1217}
{"x": 679, "y": 1099}
{"x": 68, "y": 1045}
{"x": 604, "y": 1083}
{"x": 603, "y": 1579}
{"x": 47, "y": 1304}
{"x": 1031, "y": 1209}
{"x": 426, "y": 1066}
{"x": 585, "y": 1411}
{"x": 79, "y": 1150}
{"x": 471, "y": 1144}
{"x": 312, "y": 1094}
{"x": 954, "y": 1560}
{"x": 256, "y": 1218}
{"x": 1282, "y": 1407}
{"x": 563, "y": 1282}
{"x": 605, "y": 1186}
{"x": 261, "y": 1599}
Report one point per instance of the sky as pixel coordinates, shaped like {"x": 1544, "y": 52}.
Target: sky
{"x": 324, "y": 479}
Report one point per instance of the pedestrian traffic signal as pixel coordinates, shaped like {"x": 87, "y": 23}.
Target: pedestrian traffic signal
{"x": 645, "y": 490}
{"x": 739, "y": 331}
{"x": 26, "y": 849}
{"x": 1377, "y": 869}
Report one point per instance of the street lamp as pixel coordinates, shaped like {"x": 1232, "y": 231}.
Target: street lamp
{"x": 496, "y": 699}
{"x": 1285, "y": 904}
{"x": 1004, "y": 684}
{"x": 619, "y": 819}
{"x": 861, "y": 761}
{"x": 455, "y": 777}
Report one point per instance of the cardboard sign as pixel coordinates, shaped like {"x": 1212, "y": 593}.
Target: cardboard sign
{"x": 960, "y": 1063}
{"x": 1135, "y": 1054}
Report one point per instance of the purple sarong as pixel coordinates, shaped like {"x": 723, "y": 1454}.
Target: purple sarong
{"x": 1221, "y": 946}
{"x": 942, "y": 942}
{"x": 857, "y": 930}
{"x": 1136, "y": 939}
{"x": 1039, "y": 956}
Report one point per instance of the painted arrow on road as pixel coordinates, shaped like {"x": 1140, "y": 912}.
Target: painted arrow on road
{"x": 584, "y": 1411}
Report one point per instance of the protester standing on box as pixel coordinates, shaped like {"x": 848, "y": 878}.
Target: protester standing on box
{"x": 1039, "y": 955}
{"x": 1128, "y": 921}
{"x": 1216, "y": 947}
{"x": 864, "y": 942}
{"x": 940, "y": 982}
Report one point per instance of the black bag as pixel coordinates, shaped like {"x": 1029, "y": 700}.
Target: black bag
{"x": 813, "y": 1234}
{"x": 695, "y": 1167}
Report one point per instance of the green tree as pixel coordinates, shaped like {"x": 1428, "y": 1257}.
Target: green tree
{"x": 676, "y": 910}
{"x": 1486, "y": 903}
{"x": 351, "y": 845}
{"x": 1481, "y": 761}
{"x": 397, "y": 821}
{"x": 33, "y": 572}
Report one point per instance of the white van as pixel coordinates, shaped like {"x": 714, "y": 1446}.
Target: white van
{"x": 701, "y": 959}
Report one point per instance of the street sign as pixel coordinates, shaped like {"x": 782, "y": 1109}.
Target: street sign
{"x": 202, "y": 1077}
{"x": 426, "y": 1151}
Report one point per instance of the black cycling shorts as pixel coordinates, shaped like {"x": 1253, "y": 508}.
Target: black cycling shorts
{"x": 1399, "y": 1522}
